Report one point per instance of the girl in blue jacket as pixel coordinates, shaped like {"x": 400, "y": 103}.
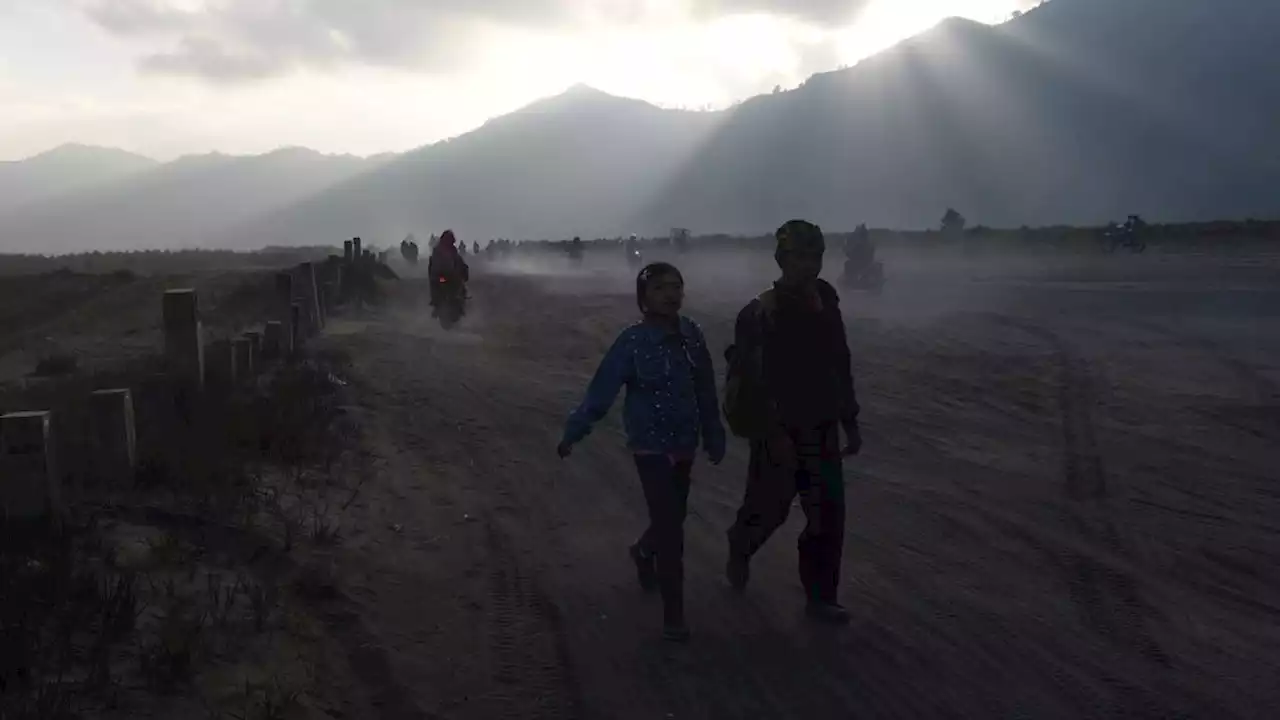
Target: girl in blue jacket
{"x": 671, "y": 404}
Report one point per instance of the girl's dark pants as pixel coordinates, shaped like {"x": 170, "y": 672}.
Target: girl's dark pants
{"x": 666, "y": 491}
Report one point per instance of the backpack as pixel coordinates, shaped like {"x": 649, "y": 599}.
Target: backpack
{"x": 746, "y": 400}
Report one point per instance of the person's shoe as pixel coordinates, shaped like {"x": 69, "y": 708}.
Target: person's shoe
{"x": 646, "y": 571}
{"x": 828, "y": 613}
{"x": 738, "y": 571}
{"x": 675, "y": 632}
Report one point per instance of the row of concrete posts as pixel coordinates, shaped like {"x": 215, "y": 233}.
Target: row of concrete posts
{"x": 30, "y": 480}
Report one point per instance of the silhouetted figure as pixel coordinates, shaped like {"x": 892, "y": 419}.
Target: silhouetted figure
{"x": 671, "y": 406}
{"x": 789, "y": 392}
{"x": 632, "y": 247}
{"x": 447, "y": 269}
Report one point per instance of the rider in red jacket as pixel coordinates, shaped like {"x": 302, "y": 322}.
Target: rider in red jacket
{"x": 446, "y": 266}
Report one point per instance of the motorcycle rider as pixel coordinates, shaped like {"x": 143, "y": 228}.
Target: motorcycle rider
{"x": 446, "y": 268}
{"x": 859, "y": 253}
{"x": 633, "y": 249}
{"x": 409, "y": 249}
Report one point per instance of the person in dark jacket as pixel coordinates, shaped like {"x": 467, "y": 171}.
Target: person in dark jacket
{"x": 446, "y": 265}
{"x": 671, "y": 404}
{"x": 794, "y": 342}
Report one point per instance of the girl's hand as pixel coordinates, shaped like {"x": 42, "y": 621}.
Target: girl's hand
{"x": 564, "y": 450}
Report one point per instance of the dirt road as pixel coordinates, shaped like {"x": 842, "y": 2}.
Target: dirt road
{"x": 1067, "y": 507}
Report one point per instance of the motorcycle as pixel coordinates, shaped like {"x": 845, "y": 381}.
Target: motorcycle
{"x": 635, "y": 258}
{"x": 868, "y": 277}
{"x": 451, "y": 303}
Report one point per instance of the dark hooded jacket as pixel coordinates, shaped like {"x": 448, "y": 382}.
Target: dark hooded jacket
{"x": 800, "y": 353}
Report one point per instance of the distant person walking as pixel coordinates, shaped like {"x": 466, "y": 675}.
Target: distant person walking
{"x": 790, "y": 389}
{"x": 671, "y": 404}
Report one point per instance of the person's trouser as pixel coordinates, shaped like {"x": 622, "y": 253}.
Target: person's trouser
{"x": 666, "y": 491}
{"x": 813, "y": 469}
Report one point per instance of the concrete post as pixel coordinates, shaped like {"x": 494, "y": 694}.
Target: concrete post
{"x": 327, "y": 294}
{"x": 255, "y": 349}
{"x": 346, "y": 251}
{"x": 283, "y": 312}
{"x": 311, "y": 294}
{"x": 113, "y": 439}
{"x": 242, "y": 351}
{"x": 183, "y": 343}
{"x": 356, "y": 253}
{"x": 295, "y": 340}
{"x": 221, "y": 361}
{"x": 273, "y": 340}
{"x": 29, "y": 483}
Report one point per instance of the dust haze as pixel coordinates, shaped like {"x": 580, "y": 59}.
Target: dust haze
{"x": 1067, "y": 474}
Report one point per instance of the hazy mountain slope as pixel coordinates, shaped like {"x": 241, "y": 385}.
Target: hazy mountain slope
{"x": 177, "y": 204}
{"x": 1078, "y": 112}
{"x": 64, "y": 170}
{"x": 578, "y": 163}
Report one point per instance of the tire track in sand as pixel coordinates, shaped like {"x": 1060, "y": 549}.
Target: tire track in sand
{"x": 528, "y": 643}
{"x": 1107, "y": 596}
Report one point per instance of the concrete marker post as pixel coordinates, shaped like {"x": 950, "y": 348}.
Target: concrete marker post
{"x": 30, "y": 486}
{"x": 242, "y": 351}
{"x": 255, "y": 349}
{"x": 113, "y": 436}
{"x": 284, "y": 311}
{"x": 222, "y": 365}
{"x": 183, "y": 340}
{"x": 326, "y": 297}
{"x": 273, "y": 340}
{"x": 295, "y": 341}
{"x": 311, "y": 294}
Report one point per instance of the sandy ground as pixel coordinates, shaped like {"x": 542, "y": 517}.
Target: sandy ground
{"x": 1067, "y": 506}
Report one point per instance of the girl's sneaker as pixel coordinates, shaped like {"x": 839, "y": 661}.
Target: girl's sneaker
{"x": 675, "y": 632}
{"x": 646, "y": 570}
{"x": 829, "y": 613}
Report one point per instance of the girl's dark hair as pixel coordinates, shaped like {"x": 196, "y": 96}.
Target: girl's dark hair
{"x": 651, "y": 272}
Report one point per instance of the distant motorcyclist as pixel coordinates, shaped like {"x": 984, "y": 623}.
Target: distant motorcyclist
{"x": 409, "y": 249}
{"x": 575, "y": 250}
{"x": 634, "y": 256}
{"x": 858, "y": 250}
{"x": 475, "y": 248}
{"x": 447, "y": 268}
{"x": 861, "y": 270}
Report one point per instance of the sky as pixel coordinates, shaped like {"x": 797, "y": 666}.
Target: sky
{"x": 166, "y": 78}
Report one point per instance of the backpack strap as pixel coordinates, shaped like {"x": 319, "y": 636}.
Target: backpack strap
{"x": 768, "y": 306}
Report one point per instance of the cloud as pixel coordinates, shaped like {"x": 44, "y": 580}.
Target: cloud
{"x": 826, "y": 13}
{"x": 229, "y": 41}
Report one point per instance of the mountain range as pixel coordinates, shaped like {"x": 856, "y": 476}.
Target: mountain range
{"x": 1080, "y": 111}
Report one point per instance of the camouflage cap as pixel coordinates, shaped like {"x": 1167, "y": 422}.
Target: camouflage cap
{"x": 800, "y": 235}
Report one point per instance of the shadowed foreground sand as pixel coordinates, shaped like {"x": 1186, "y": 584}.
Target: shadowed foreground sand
{"x": 1067, "y": 507}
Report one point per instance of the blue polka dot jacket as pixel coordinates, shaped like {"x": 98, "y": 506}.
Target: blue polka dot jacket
{"x": 671, "y": 392}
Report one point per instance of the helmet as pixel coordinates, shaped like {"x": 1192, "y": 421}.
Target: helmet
{"x": 447, "y": 239}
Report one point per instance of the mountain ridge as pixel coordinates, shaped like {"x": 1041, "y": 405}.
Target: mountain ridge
{"x": 1071, "y": 113}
